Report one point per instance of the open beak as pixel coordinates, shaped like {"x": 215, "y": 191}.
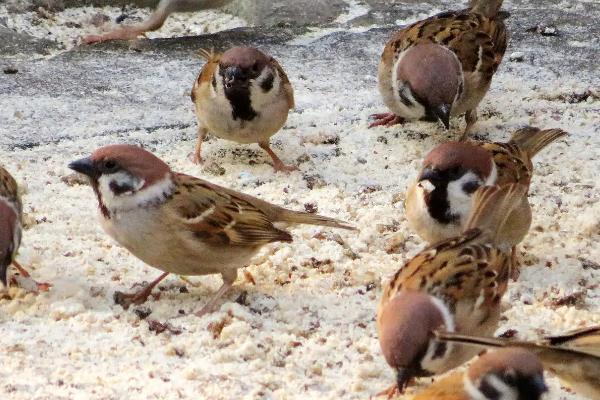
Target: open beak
{"x": 3, "y": 273}
{"x": 235, "y": 76}
{"x": 540, "y": 385}
{"x": 443, "y": 114}
{"x": 84, "y": 166}
{"x": 403, "y": 378}
{"x": 430, "y": 174}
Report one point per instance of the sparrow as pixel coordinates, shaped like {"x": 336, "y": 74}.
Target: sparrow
{"x": 509, "y": 373}
{"x": 181, "y": 224}
{"x": 456, "y": 284}
{"x": 11, "y": 215}
{"x": 156, "y": 20}
{"x": 242, "y": 95}
{"x": 575, "y": 366}
{"x": 11, "y": 227}
{"x": 438, "y": 204}
{"x": 442, "y": 66}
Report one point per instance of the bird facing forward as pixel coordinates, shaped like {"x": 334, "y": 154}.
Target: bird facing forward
{"x": 242, "y": 95}
{"x": 442, "y": 66}
{"x": 181, "y": 224}
{"x": 456, "y": 284}
{"x": 510, "y": 373}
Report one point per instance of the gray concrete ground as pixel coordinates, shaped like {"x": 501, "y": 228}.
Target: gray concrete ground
{"x": 78, "y": 80}
{"x": 306, "y": 330}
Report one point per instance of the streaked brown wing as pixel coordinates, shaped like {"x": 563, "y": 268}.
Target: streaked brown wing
{"x": 219, "y": 217}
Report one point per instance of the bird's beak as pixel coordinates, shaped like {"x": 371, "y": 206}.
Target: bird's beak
{"x": 432, "y": 175}
{"x": 442, "y": 113}
{"x": 403, "y": 377}
{"x": 84, "y": 166}
{"x": 3, "y": 273}
{"x": 539, "y": 384}
{"x": 234, "y": 75}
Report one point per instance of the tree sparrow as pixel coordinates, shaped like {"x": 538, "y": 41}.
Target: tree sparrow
{"x": 576, "y": 366}
{"x": 11, "y": 217}
{"x": 456, "y": 284}
{"x": 156, "y": 20}
{"x": 439, "y": 202}
{"x": 442, "y": 66}
{"x": 10, "y": 222}
{"x": 242, "y": 95}
{"x": 510, "y": 374}
{"x": 181, "y": 224}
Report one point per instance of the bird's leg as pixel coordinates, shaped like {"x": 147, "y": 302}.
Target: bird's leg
{"x": 277, "y": 163}
{"x": 385, "y": 119}
{"x": 515, "y": 265}
{"x": 40, "y": 286}
{"x": 155, "y": 21}
{"x": 197, "y": 156}
{"x": 127, "y": 299}
{"x": 389, "y": 392}
{"x": 210, "y": 306}
{"x": 470, "y": 118}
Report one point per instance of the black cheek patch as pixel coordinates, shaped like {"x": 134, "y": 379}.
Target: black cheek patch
{"x": 470, "y": 187}
{"x": 267, "y": 84}
{"x": 488, "y": 390}
{"x": 120, "y": 189}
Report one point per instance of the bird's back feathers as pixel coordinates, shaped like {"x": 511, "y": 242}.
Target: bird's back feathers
{"x": 532, "y": 140}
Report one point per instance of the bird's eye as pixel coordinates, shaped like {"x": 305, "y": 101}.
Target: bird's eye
{"x": 109, "y": 165}
{"x": 470, "y": 187}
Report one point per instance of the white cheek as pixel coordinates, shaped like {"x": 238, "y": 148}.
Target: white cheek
{"x": 119, "y": 178}
{"x": 449, "y": 326}
{"x": 258, "y": 97}
{"x": 461, "y": 202}
{"x": 471, "y": 389}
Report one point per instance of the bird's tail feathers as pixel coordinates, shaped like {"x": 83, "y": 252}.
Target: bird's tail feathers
{"x": 533, "y": 140}
{"x": 299, "y": 217}
{"x": 488, "y": 8}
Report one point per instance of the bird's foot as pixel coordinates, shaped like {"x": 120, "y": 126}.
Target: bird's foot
{"x": 195, "y": 158}
{"x": 390, "y": 392}
{"x": 212, "y": 304}
{"x": 25, "y": 281}
{"x": 385, "y": 119}
{"x": 281, "y": 167}
{"x": 127, "y": 299}
{"x": 122, "y": 33}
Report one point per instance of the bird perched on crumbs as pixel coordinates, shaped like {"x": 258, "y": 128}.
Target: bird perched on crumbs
{"x": 10, "y": 222}
{"x": 156, "y": 20}
{"x": 242, "y": 95}
{"x": 456, "y": 284}
{"x": 442, "y": 66}
{"x": 509, "y": 373}
{"x": 438, "y": 204}
{"x": 574, "y": 357}
{"x": 11, "y": 217}
{"x": 181, "y": 224}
